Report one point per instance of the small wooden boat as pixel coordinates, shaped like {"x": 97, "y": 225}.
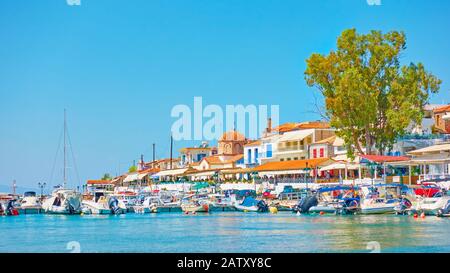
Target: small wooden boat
{"x": 194, "y": 207}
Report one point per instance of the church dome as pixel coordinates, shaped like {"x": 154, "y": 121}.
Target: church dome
{"x": 232, "y": 136}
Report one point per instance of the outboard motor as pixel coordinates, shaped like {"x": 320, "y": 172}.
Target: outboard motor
{"x": 71, "y": 209}
{"x": 262, "y": 206}
{"x": 114, "y": 205}
{"x": 10, "y": 210}
{"x": 306, "y": 203}
{"x": 444, "y": 211}
{"x": 404, "y": 205}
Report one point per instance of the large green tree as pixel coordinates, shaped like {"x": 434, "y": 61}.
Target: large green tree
{"x": 369, "y": 96}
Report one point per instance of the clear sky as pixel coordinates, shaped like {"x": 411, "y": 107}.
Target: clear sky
{"x": 119, "y": 66}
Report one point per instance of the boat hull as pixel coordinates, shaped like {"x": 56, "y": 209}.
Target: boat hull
{"x": 195, "y": 208}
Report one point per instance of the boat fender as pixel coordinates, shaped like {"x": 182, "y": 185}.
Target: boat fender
{"x": 422, "y": 215}
{"x": 416, "y": 215}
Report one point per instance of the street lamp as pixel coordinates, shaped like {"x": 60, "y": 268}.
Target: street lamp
{"x": 42, "y": 186}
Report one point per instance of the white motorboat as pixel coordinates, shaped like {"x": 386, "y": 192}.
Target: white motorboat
{"x": 63, "y": 201}
{"x": 381, "y": 199}
{"x": 30, "y": 203}
{"x": 433, "y": 205}
{"x": 104, "y": 204}
{"x": 378, "y": 205}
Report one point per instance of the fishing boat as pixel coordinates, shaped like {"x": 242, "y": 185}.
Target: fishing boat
{"x": 63, "y": 201}
{"x": 194, "y": 207}
{"x": 163, "y": 201}
{"x": 220, "y": 202}
{"x": 30, "y": 203}
{"x": 252, "y": 205}
{"x": 147, "y": 206}
{"x": 286, "y": 201}
{"x": 128, "y": 198}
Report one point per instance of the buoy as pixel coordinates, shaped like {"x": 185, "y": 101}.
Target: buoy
{"x": 186, "y": 212}
{"x": 245, "y": 210}
{"x": 422, "y": 215}
{"x": 273, "y": 210}
{"x": 298, "y": 213}
{"x": 416, "y": 215}
{"x": 322, "y": 213}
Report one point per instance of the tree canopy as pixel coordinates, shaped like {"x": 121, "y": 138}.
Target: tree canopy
{"x": 132, "y": 169}
{"x": 106, "y": 176}
{"x": 369, "y": 96}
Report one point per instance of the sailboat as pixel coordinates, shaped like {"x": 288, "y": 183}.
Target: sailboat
{"x": 63, "y": 200}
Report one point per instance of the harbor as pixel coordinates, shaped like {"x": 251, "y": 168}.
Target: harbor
{"x": 210, "y": 127}
{"x": 224, "y": 232}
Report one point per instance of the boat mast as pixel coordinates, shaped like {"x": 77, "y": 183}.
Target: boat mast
{"x": 65, "y": 162}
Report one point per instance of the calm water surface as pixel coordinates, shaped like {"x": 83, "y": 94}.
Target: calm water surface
{"x": 223, "y": 232}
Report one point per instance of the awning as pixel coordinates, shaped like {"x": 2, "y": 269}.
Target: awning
{"x": 201, "y": 174}
{"x": 173, "y": 172}
{"x": 270, "y": 173}
{"x": 293, "y": 165}
{"x": 382, "y": 158}
{"x": 345, "y": 158}
{"x": 131, "y": 177}
{"x": 432, "y": 149}
{"x": 295, "y": 135}
{"x": 339, "y": 166}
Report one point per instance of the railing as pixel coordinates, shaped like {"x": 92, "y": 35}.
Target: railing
{"x": 425, "y": 177}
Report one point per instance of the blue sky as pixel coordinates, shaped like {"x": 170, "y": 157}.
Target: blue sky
{"x": 119, "y": 67}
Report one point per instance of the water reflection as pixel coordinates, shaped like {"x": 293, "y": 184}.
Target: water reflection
{"x": 224, "y": 232}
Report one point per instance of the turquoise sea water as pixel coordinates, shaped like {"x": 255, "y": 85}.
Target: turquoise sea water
{"x": 223, "y": 232}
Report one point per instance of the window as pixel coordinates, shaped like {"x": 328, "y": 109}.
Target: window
{"x": 256, "y": 155}
{"x": 288, "y": 159}
{"x": 314, "y": 153}
{"x": 322, "y": 152}
{"x": 200, "y": 157}
{"x": 269, "y": 150}
{"x": 249, "y": 156}
{"x": 295, "y": 158}
{"x": 282, "y": 159}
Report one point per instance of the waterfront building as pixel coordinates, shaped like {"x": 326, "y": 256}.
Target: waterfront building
{"x": 291, "y": 145}
{"x": 442, "y": 119}
{"x": 193, "y": 155}
{"x": 251, "y": 154}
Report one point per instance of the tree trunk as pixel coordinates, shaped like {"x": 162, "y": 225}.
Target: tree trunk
{"x": 368, "y": 141}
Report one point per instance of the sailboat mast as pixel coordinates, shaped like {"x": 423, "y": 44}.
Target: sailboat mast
{"x": 65, "y": 162}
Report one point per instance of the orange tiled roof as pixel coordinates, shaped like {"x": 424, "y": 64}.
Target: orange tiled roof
{"x": 232, "y": 135}
{"x": 151, "y": 170}
{"x": 442, "y": 109}
{"x": 195, "y": 148}
{"x": 99, "y": 182}
{"x": 253, "y": 143}
{"x": 291, "y": 126}
{"x": 290, "y": 165}
{"x": 216, "y": 159}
